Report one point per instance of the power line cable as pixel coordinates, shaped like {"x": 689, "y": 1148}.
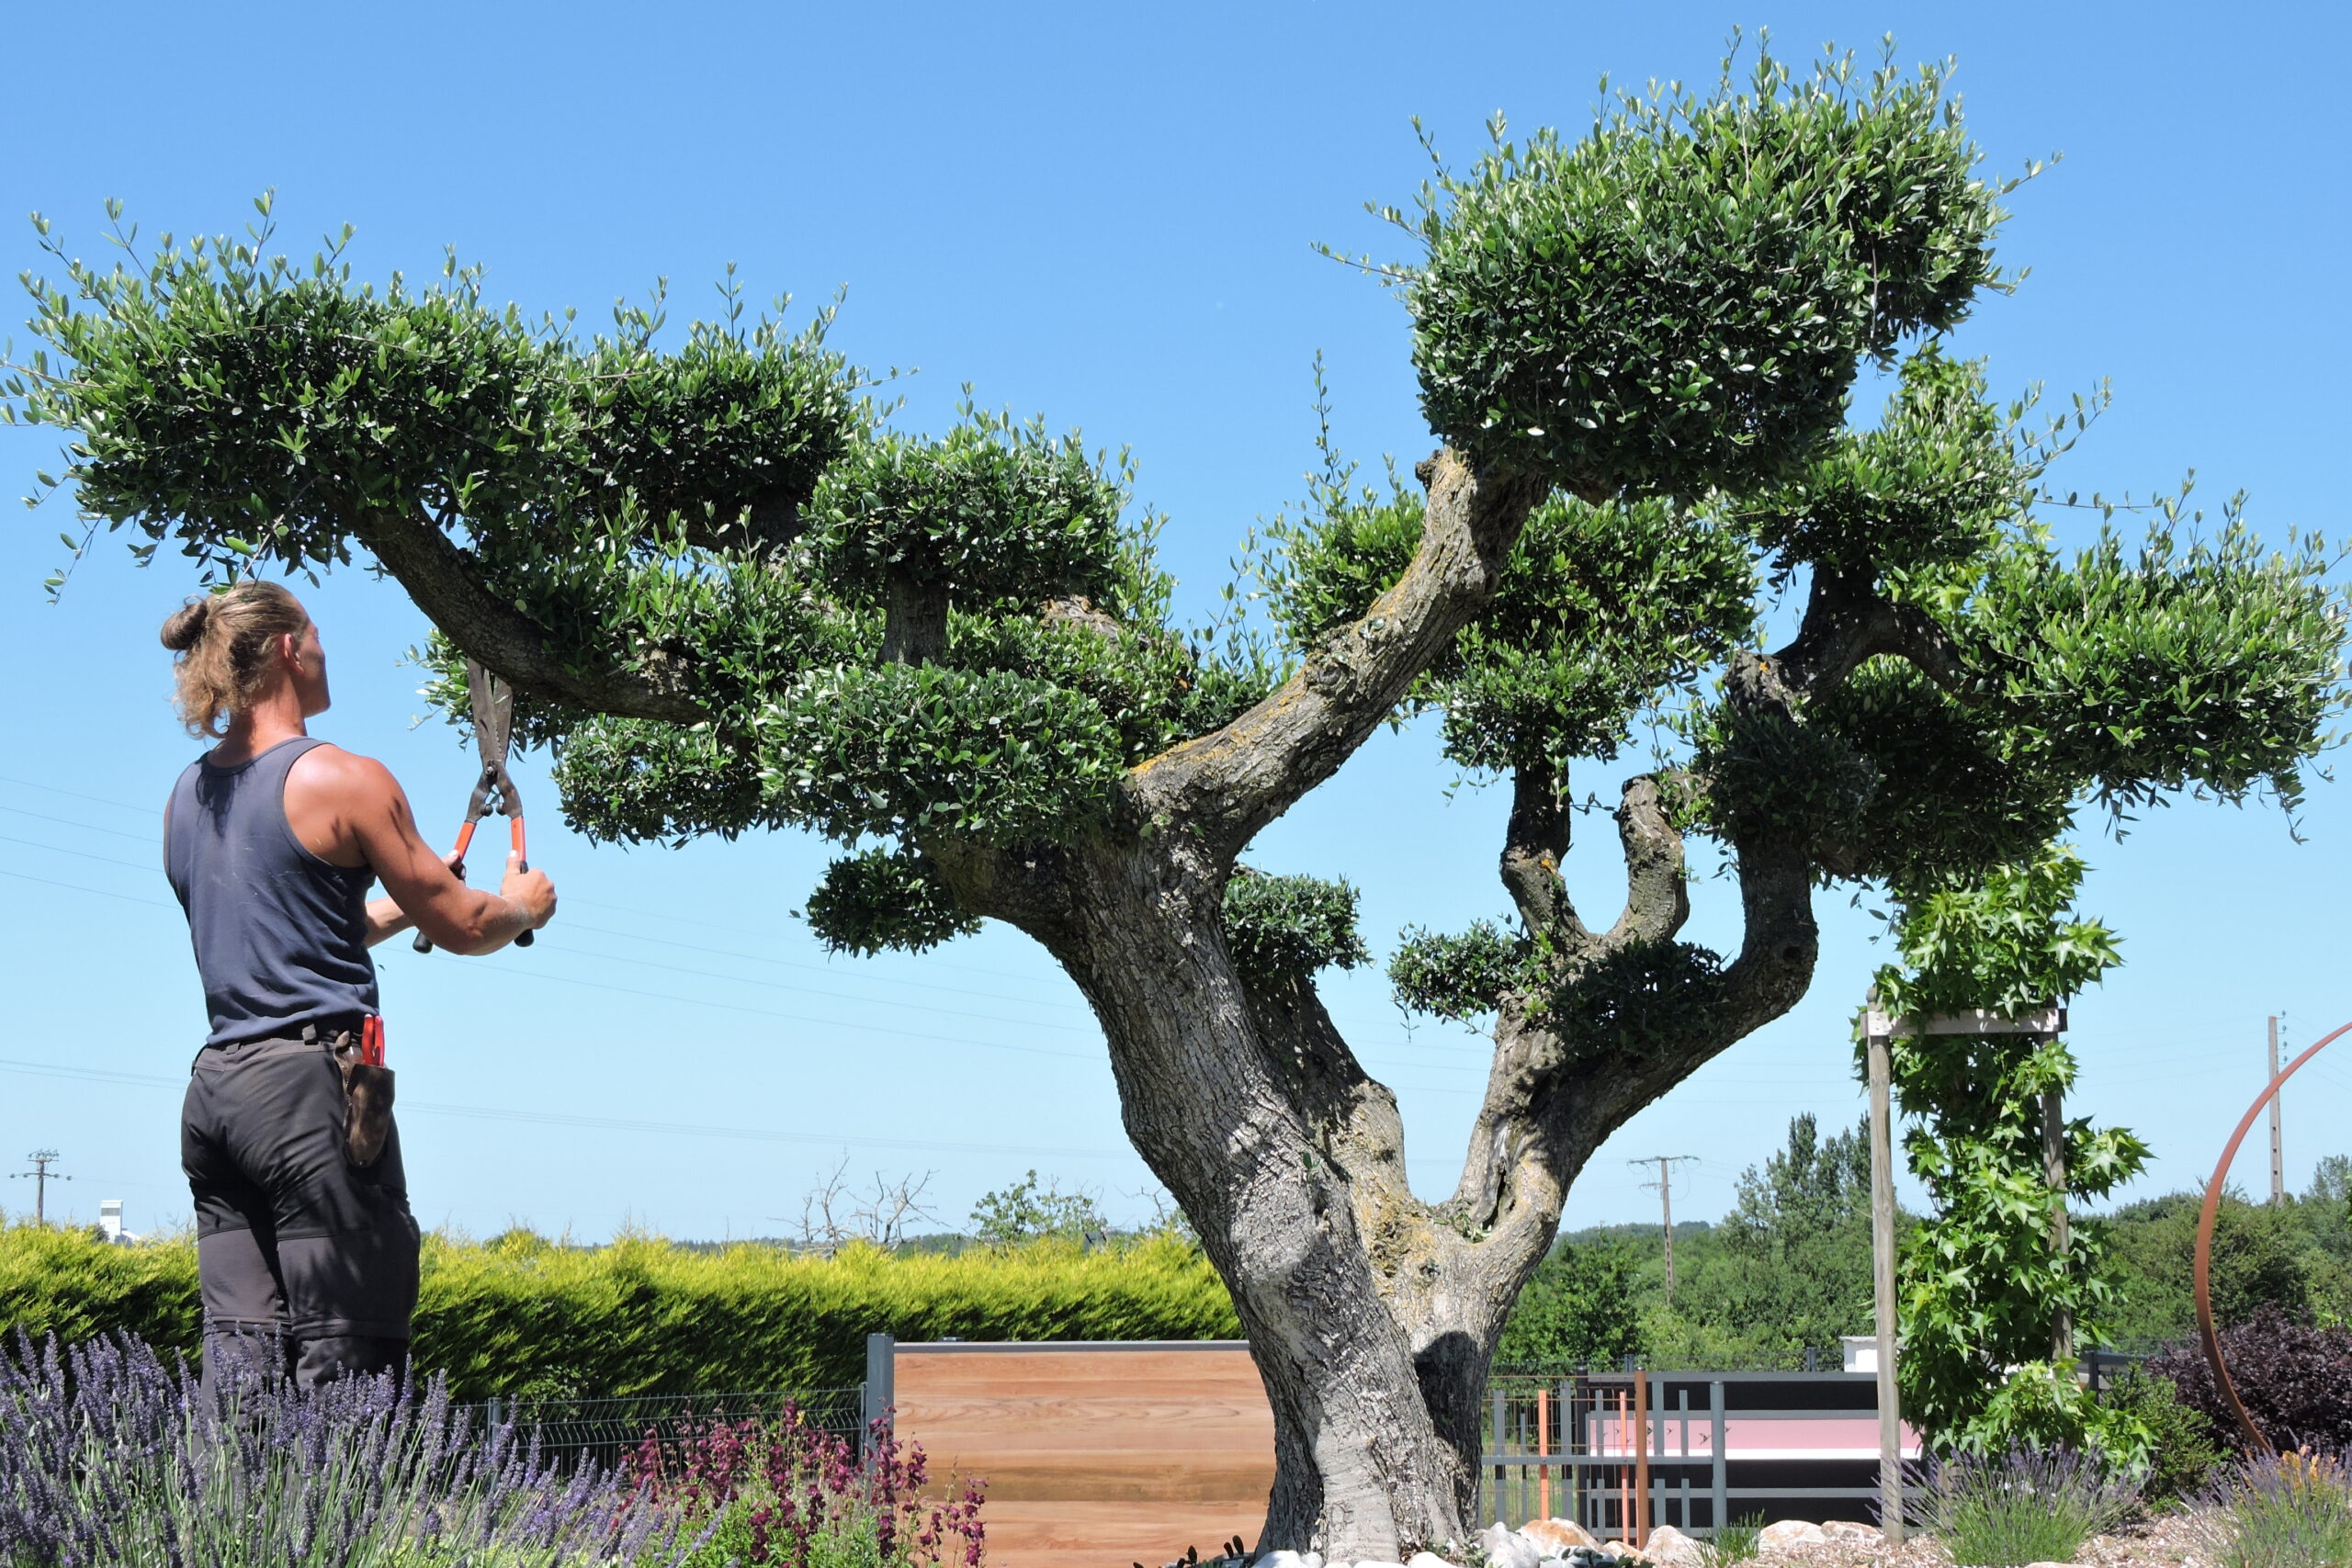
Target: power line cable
{"x": 613, "y": 1124}
{"x": 706, "y": 974}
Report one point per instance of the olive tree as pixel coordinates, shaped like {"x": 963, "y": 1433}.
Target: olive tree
{"x": 731, "y": 597}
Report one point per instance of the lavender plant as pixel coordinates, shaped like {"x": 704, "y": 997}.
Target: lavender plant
{"x": 109, "y": 1457}
{"x": 2290, "y": 1510}
{"x": 2026, "y": 1506}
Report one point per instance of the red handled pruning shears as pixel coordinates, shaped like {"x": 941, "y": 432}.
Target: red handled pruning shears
{"x": 493, "y": 703}
{"x": 372, "y": 1040}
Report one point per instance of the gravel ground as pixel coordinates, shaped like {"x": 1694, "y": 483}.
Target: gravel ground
{"x": 2168, "y": 1540}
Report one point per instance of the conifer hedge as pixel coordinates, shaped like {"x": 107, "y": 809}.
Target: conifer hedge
{"x": 520, "y": 1316}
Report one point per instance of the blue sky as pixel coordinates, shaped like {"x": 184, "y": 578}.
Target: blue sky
{"x": 1103, "y": 215}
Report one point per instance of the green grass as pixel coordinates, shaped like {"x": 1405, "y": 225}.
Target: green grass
{"x": 1738, "y": 1541}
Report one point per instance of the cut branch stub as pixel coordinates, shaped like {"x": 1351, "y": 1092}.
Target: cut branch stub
{"x": 914, "y": 628}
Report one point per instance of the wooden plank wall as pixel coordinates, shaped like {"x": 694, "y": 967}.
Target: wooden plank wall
{"x": 1098, "y": 1455}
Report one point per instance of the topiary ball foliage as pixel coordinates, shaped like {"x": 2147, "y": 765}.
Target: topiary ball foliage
{"x": 1678, "y": 302}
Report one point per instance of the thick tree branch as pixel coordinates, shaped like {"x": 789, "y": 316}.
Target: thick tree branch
{"x": 1846, "y": 623}
{"x": 1658, "y": 890}
{"x": 1534, "y": 843}
{"x": 445, "y": 583}
{"x": 1230, "y": 782}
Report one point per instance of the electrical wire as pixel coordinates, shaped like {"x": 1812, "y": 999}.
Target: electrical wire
{"x": 608, "y": 1123}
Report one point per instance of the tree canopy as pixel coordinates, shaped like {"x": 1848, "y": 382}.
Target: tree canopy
{"x": 732, "y": 595}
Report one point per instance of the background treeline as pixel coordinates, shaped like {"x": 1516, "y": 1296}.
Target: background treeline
{"x": 521, "y": 1317}
{"x": 1788, "y": 1270}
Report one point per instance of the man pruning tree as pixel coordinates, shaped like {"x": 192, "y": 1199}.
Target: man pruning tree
{"x": 271, "y": 840}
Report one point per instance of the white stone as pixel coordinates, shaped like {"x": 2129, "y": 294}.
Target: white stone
{"x": 1506, "y": 1548}
{"x": 1557, "y": 1538}
{"x": 1789, "y": 1533}
{"x": 1282, "y": 1559}
{"x": 1312, "y": 1558}
{"x": 1671, "y": 1547}
{"x": 1376, "y": 1562}
{"x": 1853, "y": 1531}
{"x": 1427, "y": 1559}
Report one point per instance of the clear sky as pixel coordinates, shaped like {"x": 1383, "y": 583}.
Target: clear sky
{"x": 1105, "y": 215}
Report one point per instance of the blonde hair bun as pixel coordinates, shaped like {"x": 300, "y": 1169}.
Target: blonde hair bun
{"x": 222, "y": 640}
{"x": 184, "y": 625}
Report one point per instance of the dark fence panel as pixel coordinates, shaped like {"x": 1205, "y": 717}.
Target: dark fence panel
{"x": 607, "y": 1430}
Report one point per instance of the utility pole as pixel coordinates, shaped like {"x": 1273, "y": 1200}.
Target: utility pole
{"x": 2277, "y": 1128}
{"x": 41, "y": 1176}
{"x": 1664, "y": 1187}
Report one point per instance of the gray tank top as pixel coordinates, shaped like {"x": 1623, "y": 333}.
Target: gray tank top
{"x": 280, "y": 935}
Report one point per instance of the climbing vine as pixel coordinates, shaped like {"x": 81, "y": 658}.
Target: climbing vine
{"x": 1985, "y": 1284}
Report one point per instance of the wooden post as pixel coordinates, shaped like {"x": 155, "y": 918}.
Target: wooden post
{"x": 1890, "y": 1416}
{"x": 2054, "y": 1171}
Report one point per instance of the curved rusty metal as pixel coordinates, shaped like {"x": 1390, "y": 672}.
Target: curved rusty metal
{"x": 2205, "y": 1218}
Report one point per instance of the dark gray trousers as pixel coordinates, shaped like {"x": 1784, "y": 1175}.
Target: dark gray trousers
{"x": 294, "y": 1243}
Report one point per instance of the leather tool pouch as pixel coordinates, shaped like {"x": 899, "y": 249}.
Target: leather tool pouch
{"x": 367, "y": 1102}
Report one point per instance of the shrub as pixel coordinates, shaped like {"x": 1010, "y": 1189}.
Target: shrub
{"x": 793, "y": 1495}
{"x": 2294, "y": 1378}
{"x": 2182, "y": 1452}
{"x": 107, "y": 1457}
{"x": 2290, "y": 1510}
{"x": 521, "y": 1316}
{"x": 2026, "y": 1506}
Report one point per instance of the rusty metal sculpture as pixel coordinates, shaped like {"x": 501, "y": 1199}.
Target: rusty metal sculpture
{"x": 2205, "y": 1219}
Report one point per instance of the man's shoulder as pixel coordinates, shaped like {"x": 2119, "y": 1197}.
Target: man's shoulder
{"x": 329, "y": 766}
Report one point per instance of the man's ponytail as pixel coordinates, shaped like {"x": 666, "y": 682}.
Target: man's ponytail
{"x": 223, "y": 641}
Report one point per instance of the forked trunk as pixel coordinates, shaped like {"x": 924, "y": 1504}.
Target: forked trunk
{"x": 1370, "y": 1326}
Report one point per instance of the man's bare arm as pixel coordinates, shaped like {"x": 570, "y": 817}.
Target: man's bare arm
{"x": 374, "y": 826}
{"x": 386, "y": 919}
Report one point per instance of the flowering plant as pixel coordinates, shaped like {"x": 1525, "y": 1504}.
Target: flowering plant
{"x": 791, "y": 1495}
{"x": 109, "y": 1457}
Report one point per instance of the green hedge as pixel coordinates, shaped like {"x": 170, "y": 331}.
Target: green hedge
{"x": 521, "y": 1316}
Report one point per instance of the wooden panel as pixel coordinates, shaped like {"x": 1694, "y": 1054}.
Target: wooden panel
{"x": 1095, "y": 1456}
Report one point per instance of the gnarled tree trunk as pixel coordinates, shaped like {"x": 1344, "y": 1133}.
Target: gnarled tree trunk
{"x": 1373, "y": 1315}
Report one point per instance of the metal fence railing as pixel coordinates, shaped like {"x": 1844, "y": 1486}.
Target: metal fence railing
{"x": 607, "y": 1430}
{"x": 1721, "y": 1448}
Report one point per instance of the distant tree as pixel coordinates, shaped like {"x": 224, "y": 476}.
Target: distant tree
{"x": 1032, "y": 1210}
{"x": 835, "y": 1213}
{"x": 1793, "y": 1269}
{"x": 1581, "y": 1308}
{"x": 729, "y": 600}
{"x": 2264, "y": 1257}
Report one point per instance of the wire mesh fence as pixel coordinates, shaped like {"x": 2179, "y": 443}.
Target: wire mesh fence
{"x": 605, "y": 1431}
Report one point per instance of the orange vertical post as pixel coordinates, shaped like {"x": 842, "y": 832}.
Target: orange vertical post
{"x": 1544, "y": 1449}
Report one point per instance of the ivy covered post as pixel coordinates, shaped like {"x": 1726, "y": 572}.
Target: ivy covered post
{"x": 729, "y": 599}
{"x": 1880, "y": 1029}
{"x": 1996, "y": 1284}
